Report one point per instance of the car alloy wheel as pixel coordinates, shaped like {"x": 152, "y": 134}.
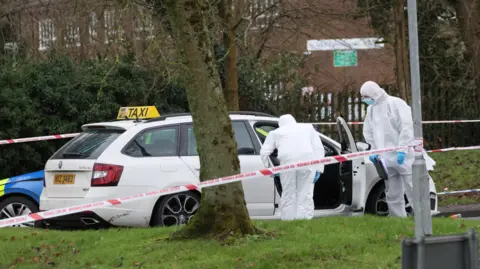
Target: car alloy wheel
{"x": 381, "y": 205}
{"x": 16, "y": 209}
{"x": 179, "y": 209}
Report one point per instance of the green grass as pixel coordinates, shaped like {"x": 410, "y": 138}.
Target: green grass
{"x": 345, "y": 242}
{"x": 457, "y": 170}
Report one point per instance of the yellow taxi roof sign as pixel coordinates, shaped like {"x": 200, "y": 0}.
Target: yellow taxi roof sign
{"x": 137, "y": 112}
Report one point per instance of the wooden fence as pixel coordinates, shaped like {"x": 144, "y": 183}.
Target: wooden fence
{"x": 326, "y": 107}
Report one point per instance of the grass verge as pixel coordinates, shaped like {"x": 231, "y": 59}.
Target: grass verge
{"x": 362, "y": 242}
{"x": 457, "y": 170}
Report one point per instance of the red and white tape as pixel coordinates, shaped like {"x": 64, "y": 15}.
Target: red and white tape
{"x": 455, "y": 149}
{"x": 62, "y": 136}
{"x": 423, "y": 122}
{"x": 37, "y": 138}
{"x": 210, "y": 183}
{"x": 458, "y": 192}
{"x": 419, "y": 142}
{"x": 429, "y": 151}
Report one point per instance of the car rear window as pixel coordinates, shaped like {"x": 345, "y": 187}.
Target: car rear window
{"x": 87, "y": 145}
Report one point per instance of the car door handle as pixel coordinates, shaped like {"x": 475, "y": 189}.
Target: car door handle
{"x": 198, "y": 169}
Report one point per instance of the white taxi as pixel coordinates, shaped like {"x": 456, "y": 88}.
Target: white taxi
{"x": 150, "y": 152}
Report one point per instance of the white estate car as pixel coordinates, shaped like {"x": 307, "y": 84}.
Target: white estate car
{"x": 121, "y": 158}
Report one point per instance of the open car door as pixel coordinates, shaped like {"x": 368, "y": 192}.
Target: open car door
{"x": 262, "y": 132}
{"x": 352, "y": 173}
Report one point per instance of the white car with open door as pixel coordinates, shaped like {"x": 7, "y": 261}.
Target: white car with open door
{"x": 120, "y": 158}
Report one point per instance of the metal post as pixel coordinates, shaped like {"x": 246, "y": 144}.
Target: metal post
{"x": 421, "y": 252}
{"x": 421, "y": 203}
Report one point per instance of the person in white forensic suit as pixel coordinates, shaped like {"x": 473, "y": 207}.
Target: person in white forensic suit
{"x": 295, "y": 142}
{"x": 429, "y": 163}
{"x": 388, "y": 124}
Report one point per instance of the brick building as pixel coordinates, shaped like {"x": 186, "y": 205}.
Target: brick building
{"x": 88, "y": 28}
{"x": 326, "y": 26}
{"x": 80, "y": 28}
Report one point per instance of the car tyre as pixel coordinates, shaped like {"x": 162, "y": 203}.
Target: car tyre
{"x": 377, "y": 202}
{"x": 15, "y": 206}
{"x": 175, "y": 209}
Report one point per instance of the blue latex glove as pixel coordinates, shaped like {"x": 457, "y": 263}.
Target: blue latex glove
{"x": 373, "y": 158}
{"x": 317, "y": 176}
{"x": 400, "y": 157}
{"x": 275, "y": 175}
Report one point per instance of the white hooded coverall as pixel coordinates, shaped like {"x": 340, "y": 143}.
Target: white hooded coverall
{"x": 295, "y": 142}
{"x": 389, "y": 123}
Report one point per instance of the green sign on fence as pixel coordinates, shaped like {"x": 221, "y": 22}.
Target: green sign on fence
{"x": 342, "y": 58}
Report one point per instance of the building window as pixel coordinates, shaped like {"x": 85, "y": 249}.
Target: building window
{"x": 273, "y": 91}
{"x": 92, "y": 27}
{"x": 264, "y": 13}
{"x": 327, "y": 108}
{"x": 46, "y": 34}
{"x": 144, "y": 25}
{"x": 356, "y": 109}
{"x": 113, "y": 29}
{"x": 72, "y": 35}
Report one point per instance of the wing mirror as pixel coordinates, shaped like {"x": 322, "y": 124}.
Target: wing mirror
{"x": 361, "y": 146}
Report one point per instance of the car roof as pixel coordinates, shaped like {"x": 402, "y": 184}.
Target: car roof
{"x": 174, "y": 118}
{"x": 185, "y": 118}
{"x": 121, "y": 124}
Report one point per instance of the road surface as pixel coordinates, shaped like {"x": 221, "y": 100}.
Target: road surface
{"x": 467, "y": 211}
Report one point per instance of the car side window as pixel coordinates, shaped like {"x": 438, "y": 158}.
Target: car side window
{"x": 191, "y": 142}
{"x": 262, "y": 130}
{"x": 244, "y": 141}
{"x": 158, "y": 142}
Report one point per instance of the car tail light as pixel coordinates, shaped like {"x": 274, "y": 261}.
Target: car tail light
{"x": 106, "y": 175}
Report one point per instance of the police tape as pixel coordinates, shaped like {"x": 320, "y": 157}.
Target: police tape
{"x": 454, "y": 149}
{"x": 190, "y": 187}
{"x": 458, "y": 192}
{"x": 62, "y": 136}
{"x": 423, "y": 122}
{"x": 37, "y": 138}
{"x": 429, "y": 151}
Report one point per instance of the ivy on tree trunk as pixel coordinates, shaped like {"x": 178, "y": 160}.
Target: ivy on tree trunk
{"x": 223, "y": 211}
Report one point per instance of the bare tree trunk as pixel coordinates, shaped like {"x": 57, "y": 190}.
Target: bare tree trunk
{"x": 230, "y": 43}
{"x": 401, "y": 51}
{"x": 223, "y": 211}
{"x": 468, "y": 14}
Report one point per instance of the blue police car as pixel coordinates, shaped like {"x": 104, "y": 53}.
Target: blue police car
{"x": 20, "y": 195}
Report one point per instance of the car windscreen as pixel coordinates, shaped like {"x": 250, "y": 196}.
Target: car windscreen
{"x": 88, "y": 145}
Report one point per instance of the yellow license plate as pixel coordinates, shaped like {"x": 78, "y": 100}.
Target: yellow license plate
{"x": 63, "y": 179}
